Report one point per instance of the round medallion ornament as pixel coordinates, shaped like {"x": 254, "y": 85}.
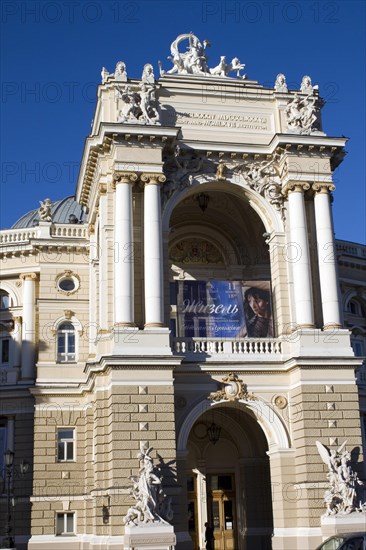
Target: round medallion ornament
{"x": 280, "y": 401}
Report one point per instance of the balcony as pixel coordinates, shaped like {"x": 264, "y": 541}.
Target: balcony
{"x": 210, "y": 349}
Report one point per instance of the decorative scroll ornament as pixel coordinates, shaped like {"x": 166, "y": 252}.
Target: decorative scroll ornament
{"x": 232, "y": 389}
{"x": 300, "y": 114}
{"x": 152, "y": 504}
{"x": 139, "y": 103}
{"x": 194, "y": 61}
{"x": 341, "y": 496}
{"x": 44, "y": 211}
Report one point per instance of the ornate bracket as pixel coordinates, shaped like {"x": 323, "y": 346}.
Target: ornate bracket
{"x": 232, "y": 389}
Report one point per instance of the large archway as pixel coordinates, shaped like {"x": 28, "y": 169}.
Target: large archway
{"x": 228, "y": 477}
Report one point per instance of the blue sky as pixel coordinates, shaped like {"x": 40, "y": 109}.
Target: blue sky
{"x": 52, "y": 54}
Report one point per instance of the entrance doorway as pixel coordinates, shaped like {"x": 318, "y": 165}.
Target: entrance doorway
{"x": 228, "y": 481}
{"x": 221, "y": 510}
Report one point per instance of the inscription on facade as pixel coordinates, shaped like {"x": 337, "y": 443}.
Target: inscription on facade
{"x": 244, "y": 121}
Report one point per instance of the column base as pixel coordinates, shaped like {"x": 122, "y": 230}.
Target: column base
{"x": 156, "y": 536}
{"x": 332, "y": 326}
{"x": 132, "y": 341}
{"x": 124, "y": 325}
{"x": 154, "y": 325}
{"x": 332, "y": 525}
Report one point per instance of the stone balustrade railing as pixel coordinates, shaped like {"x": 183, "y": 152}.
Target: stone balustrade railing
{"x": 351, "y": 249}
{"x": 11, "y": 236}
{"x": 69, "y": 231}
{"x": 61, "y": 231}
{"x": 227, "y": 347}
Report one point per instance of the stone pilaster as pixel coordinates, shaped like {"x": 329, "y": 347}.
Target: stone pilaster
{"x": 28, "y": 327}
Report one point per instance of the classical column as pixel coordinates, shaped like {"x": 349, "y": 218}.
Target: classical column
{"x": 17, "y": 341}
{"x": 153, "y": 251}
{"x": 28, "y": 332}
{"x": 298, "y": 254}
{"x": 326, "y": 256}
{"x": 123, "y": 258}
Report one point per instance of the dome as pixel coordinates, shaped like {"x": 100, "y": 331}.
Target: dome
{"x": 61, "y": 212}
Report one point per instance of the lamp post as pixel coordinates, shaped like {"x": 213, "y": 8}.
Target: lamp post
{"x": 8, "y": 541}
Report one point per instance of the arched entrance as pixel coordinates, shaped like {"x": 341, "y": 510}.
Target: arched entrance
{"x": 228, "y": 479}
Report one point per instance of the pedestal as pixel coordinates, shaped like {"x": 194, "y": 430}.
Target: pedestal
{"x": 155, "y": 536}
{"x": 350, "y": 523}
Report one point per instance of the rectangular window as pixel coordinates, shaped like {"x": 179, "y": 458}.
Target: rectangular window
{"x": 65, "y": 523}
{"x": 5, "y": 346}
{"x": 65, "y": 444}
{"x": 3, "y": 446}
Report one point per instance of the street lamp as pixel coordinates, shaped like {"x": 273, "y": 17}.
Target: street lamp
{"x": 8, "y": 541}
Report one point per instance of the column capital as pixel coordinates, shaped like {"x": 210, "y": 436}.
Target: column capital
{"x": 295, "y": 187}
{"x": 323, "y": 187}
{"x": 28, "y": 276}
{"x": 152, "y": 178}
{"x": 123, "y": 177}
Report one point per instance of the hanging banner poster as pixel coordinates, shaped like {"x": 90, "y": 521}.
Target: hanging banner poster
{"x": 224, "y": 309}
{"x": 212, "y": 309}
{"x": 257, "y": 309}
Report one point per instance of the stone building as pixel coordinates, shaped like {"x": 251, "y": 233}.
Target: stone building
{"x": 186, "y": 299}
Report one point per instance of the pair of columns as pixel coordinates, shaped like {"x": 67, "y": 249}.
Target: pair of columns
{"x": 153, "y": 250}
{"x": 301, "y": 265}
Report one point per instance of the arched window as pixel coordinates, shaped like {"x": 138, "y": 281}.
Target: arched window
{"x": 66, "y": 343}
{"x": 354, "y": 307}
{"x": 5, "y": 300}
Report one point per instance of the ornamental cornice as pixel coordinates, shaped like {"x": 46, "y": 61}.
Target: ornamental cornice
{"x": 295, "y": 187}
{"x": 323, "y": 187}
{"x": 150, "y": 178}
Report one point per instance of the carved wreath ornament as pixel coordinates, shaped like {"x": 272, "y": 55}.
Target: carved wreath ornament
{"x": 232, "y": 389}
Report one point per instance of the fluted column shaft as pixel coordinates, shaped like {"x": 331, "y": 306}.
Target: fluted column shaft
{"x": 300, "y": 258}
{"x": 123, "y": 258}
{"x": 153, "y": 251}
{"x": 28, "y": 327}
{"x": 326, "y": 256}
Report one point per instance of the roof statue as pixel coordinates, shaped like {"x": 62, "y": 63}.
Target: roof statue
{"x": 152, "y": 505}
{"x": 306, "y": 86}
{"x": 44, "y": 211}
{"x": 280, "y": 84}
{"x": 341, "y": 496}
{"x": 195, "y": 61}
{"x": 120, "y": 73}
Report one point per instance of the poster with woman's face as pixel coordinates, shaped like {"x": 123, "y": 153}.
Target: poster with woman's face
{"x": 224, "y": 309}
{"x": 257, "y": 309}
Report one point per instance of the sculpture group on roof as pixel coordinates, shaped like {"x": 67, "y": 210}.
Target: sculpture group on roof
{"x": 139, "y": 104}
{"x": 195, "y": 61}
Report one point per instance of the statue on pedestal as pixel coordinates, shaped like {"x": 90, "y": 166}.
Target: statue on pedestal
{"x": 152, "y": 505}
{"x": 341, "y": 496}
